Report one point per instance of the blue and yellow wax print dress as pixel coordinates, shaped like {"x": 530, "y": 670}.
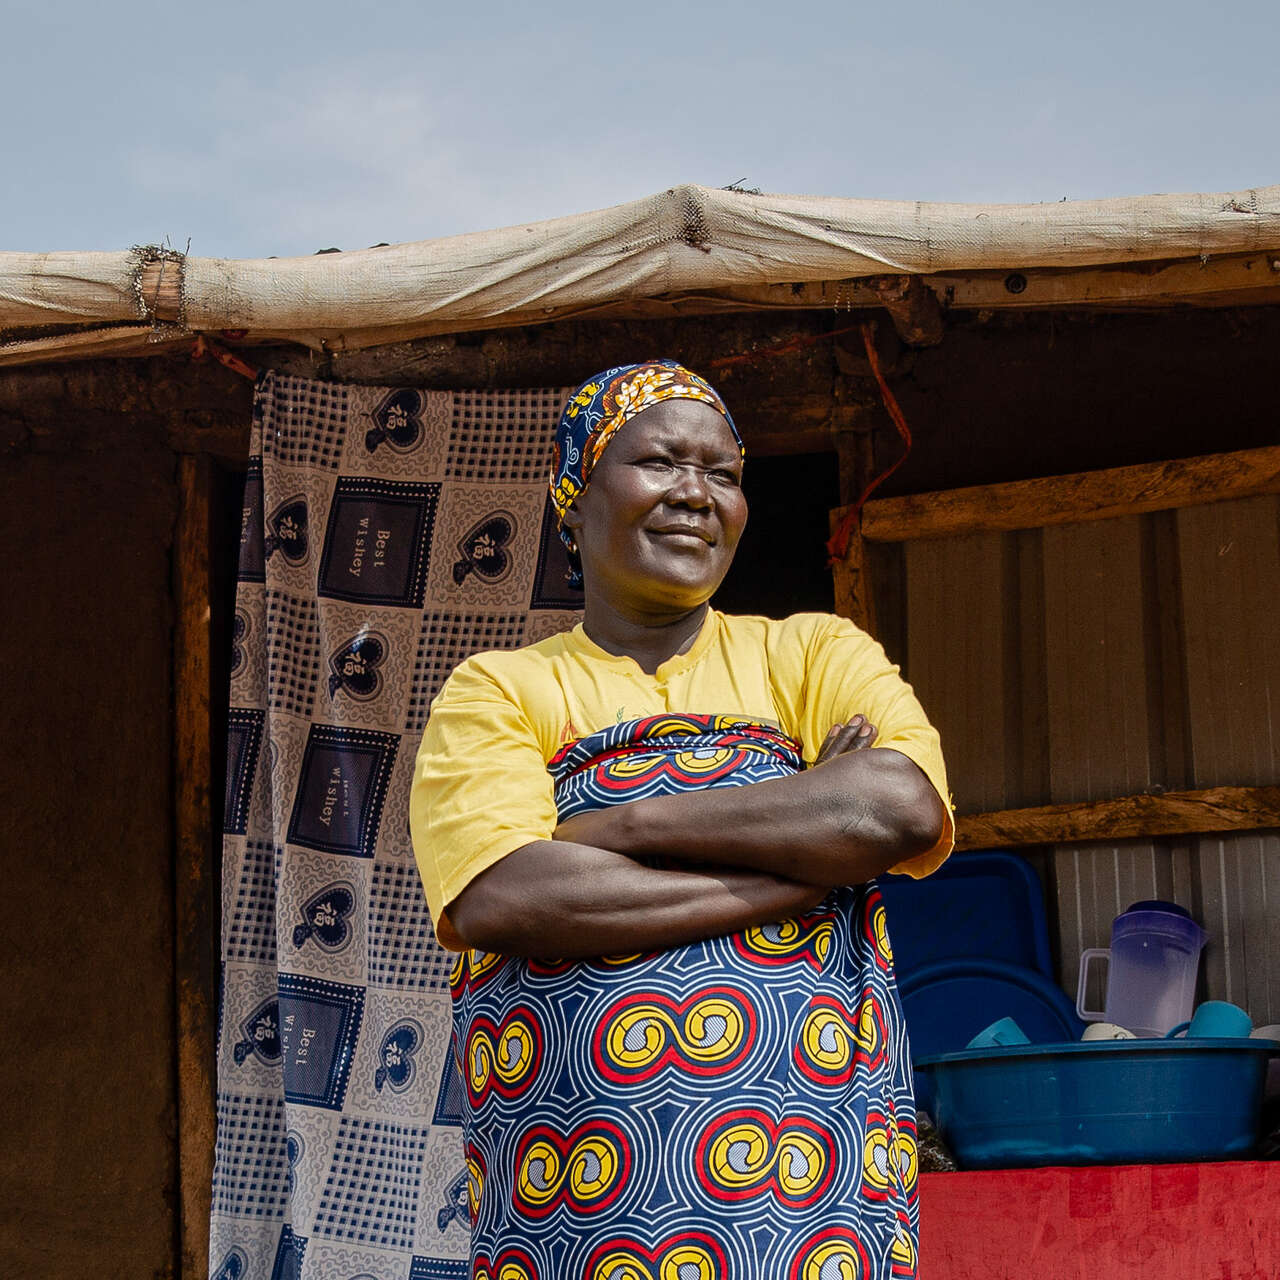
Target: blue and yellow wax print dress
{"x": 736, "y": 1109}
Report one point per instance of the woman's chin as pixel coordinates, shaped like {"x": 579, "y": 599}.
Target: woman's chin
{"x": 696, "y": 574}
{"x": 670, "y": 584}
{"x": 681, "y": 597}
{"x": 659, "y": 599}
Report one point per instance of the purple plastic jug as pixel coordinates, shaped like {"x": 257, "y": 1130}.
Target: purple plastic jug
{"x": 1151, "y": 971}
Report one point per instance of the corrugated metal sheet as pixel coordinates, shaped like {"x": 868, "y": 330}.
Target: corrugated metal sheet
{"x": 1230, "y": 563}
{"x": 1090, "y": 661}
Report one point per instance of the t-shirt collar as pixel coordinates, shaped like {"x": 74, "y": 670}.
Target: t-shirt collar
{"x": 674, "y": 666}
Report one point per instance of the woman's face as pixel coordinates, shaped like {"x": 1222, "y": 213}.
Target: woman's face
{"x": 661, "y": 518}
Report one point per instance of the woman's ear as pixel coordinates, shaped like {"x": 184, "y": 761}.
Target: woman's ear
{"x": 572, "y": 518}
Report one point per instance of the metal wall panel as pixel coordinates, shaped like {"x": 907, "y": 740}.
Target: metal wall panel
{"x": 957, "y": 621}
{"x": 1229, "y": 556}
{"x": 1089, "y": 661}
{"x": 1230, "y": 561}
{"x": 1099, "y": 676}
{"x": 1238, "y": 901}
{"x": 1096, "y": 661}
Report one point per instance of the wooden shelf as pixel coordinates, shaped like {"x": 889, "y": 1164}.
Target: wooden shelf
{"x": 1070, "y": 499}
{"x": 1174, "y": 813}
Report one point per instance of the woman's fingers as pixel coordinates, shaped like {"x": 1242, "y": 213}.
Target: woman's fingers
{"x": 826, "y": 751}
{"x": 857, "y": 733}
{"x": 839, "y": 739}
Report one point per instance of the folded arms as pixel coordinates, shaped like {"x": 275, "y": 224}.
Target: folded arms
{"x": 730, "y": 857}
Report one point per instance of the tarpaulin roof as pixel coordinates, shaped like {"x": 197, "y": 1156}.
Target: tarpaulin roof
{"x": 685, "y": 249}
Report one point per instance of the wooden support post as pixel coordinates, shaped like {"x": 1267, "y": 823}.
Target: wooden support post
{"x": 1069, "y": 499}
{"x": 853, "y": 584}
{"x": 853, "y": 598}
{"x": 1175, "y": 813}
{"x": 195, "y": 972}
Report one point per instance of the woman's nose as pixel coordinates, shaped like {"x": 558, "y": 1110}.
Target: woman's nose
{"x": 689, "y": 487}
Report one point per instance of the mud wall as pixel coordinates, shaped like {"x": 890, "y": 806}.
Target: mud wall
{"x": 88, "y": 497}
{"x": 86, "y": 1000}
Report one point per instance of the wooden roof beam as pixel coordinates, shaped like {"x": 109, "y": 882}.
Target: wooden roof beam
{"x": 913, "y": 308}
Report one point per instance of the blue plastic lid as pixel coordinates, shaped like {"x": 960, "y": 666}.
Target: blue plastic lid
{"x": 946, "y": 1005}
{"x": 980, "y": 905}
{"x": 1159, "y": 917}
{"x": 1155, "y": 904}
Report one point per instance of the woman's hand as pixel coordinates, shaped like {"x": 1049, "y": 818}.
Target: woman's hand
{"x": 854, "y": 736}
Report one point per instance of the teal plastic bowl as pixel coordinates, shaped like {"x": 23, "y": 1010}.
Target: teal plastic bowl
{"x": 1100, "y": 1102}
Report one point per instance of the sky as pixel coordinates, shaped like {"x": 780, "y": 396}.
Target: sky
{"x": 253, "y": 130}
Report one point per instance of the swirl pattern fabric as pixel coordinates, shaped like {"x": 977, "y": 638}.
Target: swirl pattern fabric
{"x": 738, "y": 1109}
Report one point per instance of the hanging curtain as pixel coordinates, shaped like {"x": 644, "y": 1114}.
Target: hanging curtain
{"x": 387, "y": 534}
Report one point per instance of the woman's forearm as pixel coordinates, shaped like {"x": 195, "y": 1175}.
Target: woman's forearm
{"x": 566, "y": 900}
{"x": 844, "y": 821}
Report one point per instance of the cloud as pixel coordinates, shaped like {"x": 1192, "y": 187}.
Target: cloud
{"x": 311, "y": 160}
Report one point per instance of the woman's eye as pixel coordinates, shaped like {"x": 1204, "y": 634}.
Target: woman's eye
{"x": 726, "y": 477}
{"x": 662, "y": 463}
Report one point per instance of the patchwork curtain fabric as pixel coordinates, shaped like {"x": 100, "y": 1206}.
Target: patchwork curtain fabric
{"x": 387, "y": 534}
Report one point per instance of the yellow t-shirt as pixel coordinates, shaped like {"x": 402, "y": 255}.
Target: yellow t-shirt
{"x": 481, "y": 788}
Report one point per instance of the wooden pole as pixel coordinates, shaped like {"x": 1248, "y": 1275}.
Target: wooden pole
{"x": 1175, "y": 813}
{"x": 160, "y": 286}
{"x": 195, "y": 974}
{"x": 851, "y": 581}
{"x": 1070, "y": 499}
{"x": 853, "y": 599}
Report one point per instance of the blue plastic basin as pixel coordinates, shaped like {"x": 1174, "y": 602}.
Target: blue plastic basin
{"x": 1100, "y": 1102}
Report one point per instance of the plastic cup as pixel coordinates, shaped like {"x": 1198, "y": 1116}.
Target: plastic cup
{"x": 1216, "y": 1019}
{"x": 1107, "y": 1031}
{"x": 1005, "y": 1031}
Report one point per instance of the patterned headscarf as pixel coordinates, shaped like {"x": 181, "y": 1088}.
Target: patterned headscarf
{"x": 595, "y": 412}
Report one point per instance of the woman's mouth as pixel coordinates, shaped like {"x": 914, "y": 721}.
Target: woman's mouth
{"x": 684, "y": 532}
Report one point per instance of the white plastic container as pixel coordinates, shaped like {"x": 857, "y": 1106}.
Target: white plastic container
{"x": 1153, "y": 961}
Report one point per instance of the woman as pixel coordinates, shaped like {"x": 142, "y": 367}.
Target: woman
{"x": 675, "y": 1015}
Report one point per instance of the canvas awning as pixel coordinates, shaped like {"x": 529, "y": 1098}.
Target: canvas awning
{"x": 686, "y": 249}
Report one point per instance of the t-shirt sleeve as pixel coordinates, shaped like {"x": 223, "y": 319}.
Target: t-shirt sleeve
{"x": 843, "y": 673}
{"x": 480, "y": 790}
